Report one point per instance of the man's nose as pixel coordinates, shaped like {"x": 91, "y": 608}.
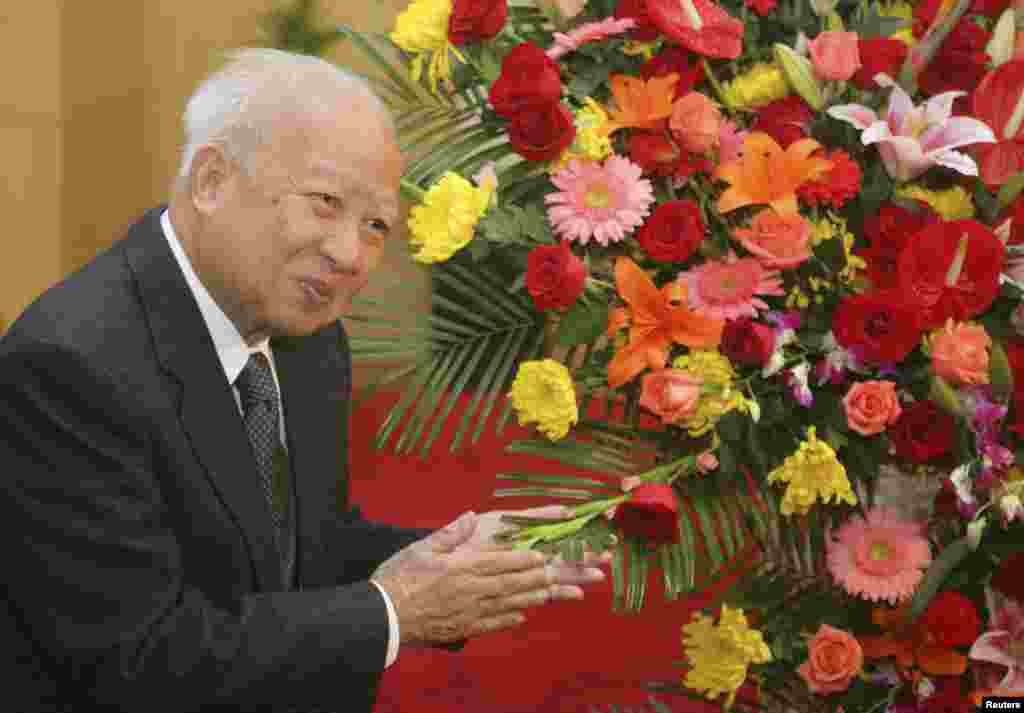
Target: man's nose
{"x": 345, "y": 249}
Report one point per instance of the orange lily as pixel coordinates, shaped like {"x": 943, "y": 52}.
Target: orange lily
{"x": 767, "y": 174}
{"x": 640, "y": 104}
{"x": 910, "y": 644}
{"x": 656, "y": 319}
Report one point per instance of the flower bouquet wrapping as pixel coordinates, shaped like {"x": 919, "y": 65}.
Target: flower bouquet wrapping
{"x": 754, "y": 266}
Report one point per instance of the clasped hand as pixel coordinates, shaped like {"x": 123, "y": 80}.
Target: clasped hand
{"x": 459, "y": 582}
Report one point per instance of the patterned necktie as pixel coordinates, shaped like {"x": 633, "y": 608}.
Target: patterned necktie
{"x": 262, "y": 416}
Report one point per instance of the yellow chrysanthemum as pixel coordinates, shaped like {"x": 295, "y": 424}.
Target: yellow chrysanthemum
{"x": 813, "y": 473}
{"x": 422, "y": 31}
{"x": 720, "y": 654}
{"x": 718, "y": 395}
{"x": 833, "y": 227}
{"x": 797, "y": 298}
{"x": 904, "y": 11}
{"x": 951, "y": 203}
{"x": 592, "y": 142}
{"x": 446, "y": 219}
{"x": 761, "y": 84}
{"x": 543, "y": 393}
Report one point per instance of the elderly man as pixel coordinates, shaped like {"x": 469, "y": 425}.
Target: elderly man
{"x": 173, "y": 424}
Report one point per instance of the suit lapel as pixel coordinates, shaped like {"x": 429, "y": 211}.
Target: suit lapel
{"x": 208, "y": 411}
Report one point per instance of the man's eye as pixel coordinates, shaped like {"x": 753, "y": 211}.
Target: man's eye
{"x": 380, "y": 226}
{"x": 326, "y": 200}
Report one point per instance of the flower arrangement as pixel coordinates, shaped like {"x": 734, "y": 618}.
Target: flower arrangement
{"x": 755, "y": 265}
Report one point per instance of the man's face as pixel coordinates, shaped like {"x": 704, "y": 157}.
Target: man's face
{"x": 287, "y": 240}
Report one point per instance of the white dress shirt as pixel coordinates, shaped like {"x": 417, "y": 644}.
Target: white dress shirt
{"x": 234, "y": 355}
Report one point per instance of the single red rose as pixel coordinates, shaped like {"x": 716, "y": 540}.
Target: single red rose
{"x": 951, "y": 619}
{"x": 476, "y": 20}
{"x": 785, "y": 120}
{"x": 1007, "y": 580}
{"x": 960, "y": 63}
{"x": 880, "y": 326}
{"x": 761, "y": 7}
{"x": 528, "y": 78}
{"x": 554, "y": 276}
{"x": 651, "y": 513}
{"x": 837, "y": 186}
{"x": 542, "y": 133}
{"x": 636, "y": 10}
{"x": 699, "y": 25}
{"x": 878, "y": 55}
{"x": 672, "y": 59}
{"x": 887, "y": 231}
{"x": 995, "y": 102}
{"x": 923, "y": 432}
{"x": 748, "y": 342}
{"x": 673, "y": 232}
{"x": 943, "y": 289}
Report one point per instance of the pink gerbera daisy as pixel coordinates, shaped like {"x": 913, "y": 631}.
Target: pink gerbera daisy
{"x": 729, "y": 288}
{"x": 589, "y": 32}
{"x": 880, "y": 557}
{"x": 599, "y": 201}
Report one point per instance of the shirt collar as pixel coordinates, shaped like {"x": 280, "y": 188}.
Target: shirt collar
{"x": 231, "y": 347}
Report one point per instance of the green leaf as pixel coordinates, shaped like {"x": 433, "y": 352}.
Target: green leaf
{"x": 1000, "y": 373}
{"x": 583, "y": 323}
{"x": 1010, "y": 190}
{"x": 946, "y": 562}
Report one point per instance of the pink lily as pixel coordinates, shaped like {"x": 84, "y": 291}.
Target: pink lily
{"x": 1003, "y": 644}
{"x": 911, "y": 139}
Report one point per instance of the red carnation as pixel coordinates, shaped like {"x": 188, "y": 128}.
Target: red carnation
{"x": 748, "y": 342}
{"x": 923, "y": 432}
{"x": 528, "y": 78}
{"x": 761, "y": 7}
{"x": 673, "y": 59}
{"x": 542, "y": 133}
{"x": 475, "y": 20}
{"x": 673, "y": 232}
{"x": 878, "y": 326}
{"x": 942, "y": 284}
{"x": 840, "y": 184}
{"x": 554, "y": 276}
{"x": 785, "y": 120}
{"x": 1007, "y": 579}
{"x": 878, "y": 55}
{"x": 887, "y": 232}
{"x": 951, "y": 619}
{"x": 719, "y": 35}
{"x": 645, "y": 31}
{"x": 960, "y": 63}
{"x": 650, "y": 513}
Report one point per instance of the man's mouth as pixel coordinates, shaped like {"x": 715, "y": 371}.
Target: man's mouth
{"x": 318, "y": 291}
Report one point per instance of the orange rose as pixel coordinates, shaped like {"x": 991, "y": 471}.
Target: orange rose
{"x": 833, "y": 658}
{"x": 695, "y": 123}
{"x": 960, "y": 353}
{"x": 670, "y": 394}
{"x": 778, "y": 241}
{"x": 871, "y": 406}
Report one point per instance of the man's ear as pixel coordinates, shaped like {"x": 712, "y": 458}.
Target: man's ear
{"x": 209, "y": 179}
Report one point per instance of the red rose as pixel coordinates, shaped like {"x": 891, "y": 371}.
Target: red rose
{"x": 475, "y": 20}
{"x": 637, "y": 10}
{"x": 887, "y": 232}
{"x": 785, "y": 120}
{"x": 878, "y": 326}
{"x": 923, "y": 432}
{"x": 951, "y": 620}
{"x": 960, "y": 63}
{"x": 554, "y": 276}
{"x": 835, "y": 187}
{"x": 528, "y": 78}
{"x": 673, "y": 59}
{"x": 542, "y": 133}
{"x": 878, "y": 55}
{"x": 929, "y": 276}
{"x": 720, "y": 34}
{"x": 748, "y": 342}
{"x": 1007, "y": 579}
{"x": 650, "y": 513}
{"x": 672, "y": 232}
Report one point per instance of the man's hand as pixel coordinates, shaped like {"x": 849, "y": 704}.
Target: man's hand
{"x": 444, "y": 591}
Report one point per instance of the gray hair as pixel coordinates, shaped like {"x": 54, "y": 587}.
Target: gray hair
{"x": 236, "y": 106}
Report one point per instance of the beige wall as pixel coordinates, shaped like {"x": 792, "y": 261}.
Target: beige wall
{"x": 90, "y": 118}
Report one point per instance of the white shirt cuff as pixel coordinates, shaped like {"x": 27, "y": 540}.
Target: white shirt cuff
{"x": 394, "y": 635}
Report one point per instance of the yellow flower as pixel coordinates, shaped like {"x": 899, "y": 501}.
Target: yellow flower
{"x": 830, "y": 227}
{"x": 592, "y": 142}
{"x": 904, "y": 11}
{"x": 720, "y": 654}
{"x": 813, "y": 473}
{"x": 422, "y": 31}
{"x": 952, "y": 203}
{"x": 543, "y": 393}
{"x": 718, "y": 395}
{"x": 762, "y": 84}
{"x": 445, "y": 221}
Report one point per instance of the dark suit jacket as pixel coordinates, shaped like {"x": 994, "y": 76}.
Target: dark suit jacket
{"x": 140, "y": 570}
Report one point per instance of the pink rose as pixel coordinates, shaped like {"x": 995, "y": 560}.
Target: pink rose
{"x": 871, "y": 406}
{"x": 780, "y": 242}
{"x": 670, "y": 394}
{"x": 834, "y": 657}
{"x": 835, "y": 55}
{"x": 960, "y": 353}
{"x": 695, "y": 123}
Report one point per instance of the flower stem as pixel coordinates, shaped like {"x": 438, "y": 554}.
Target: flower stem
{"x": 716, "y": 85}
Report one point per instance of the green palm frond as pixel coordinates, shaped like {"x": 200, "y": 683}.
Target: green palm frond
{"x": 296, "y": 29}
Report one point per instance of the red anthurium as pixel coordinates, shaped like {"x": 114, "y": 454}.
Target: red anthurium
{"x": 999, "y": 102}
{"x": 699, "y": 25}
